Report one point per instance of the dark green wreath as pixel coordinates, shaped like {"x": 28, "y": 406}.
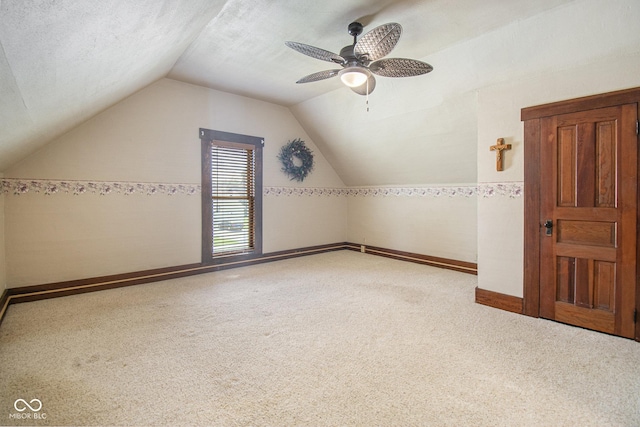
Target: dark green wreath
{"x": 296, "y": 148}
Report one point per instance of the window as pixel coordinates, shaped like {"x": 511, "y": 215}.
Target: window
{"x": 231, "y": 196}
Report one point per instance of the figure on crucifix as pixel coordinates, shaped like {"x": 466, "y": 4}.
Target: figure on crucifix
{"x": 499, "y": 148}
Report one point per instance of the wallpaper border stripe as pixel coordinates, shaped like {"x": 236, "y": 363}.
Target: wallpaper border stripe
{"x": 504, "y": 189}
{"x": 49, "y": 187}
{"x": 17, "y": 187}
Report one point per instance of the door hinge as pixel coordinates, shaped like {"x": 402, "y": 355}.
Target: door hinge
{"x": 637, "y": 127}
{"x": 635, "y": 315}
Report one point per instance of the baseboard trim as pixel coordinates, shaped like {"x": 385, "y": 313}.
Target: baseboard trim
{"x": 59, "y": 289}
{"x": 450, "y": 264}
{"x": 4, "y": 303}
{"x": 73, "y": 287}
{"x": 498, "y": 300}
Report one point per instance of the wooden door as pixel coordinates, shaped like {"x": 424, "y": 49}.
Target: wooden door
{"x": 588, "y": 202}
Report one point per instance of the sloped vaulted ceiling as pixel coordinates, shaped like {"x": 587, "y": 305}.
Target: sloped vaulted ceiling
{"x": 63, "y": 61}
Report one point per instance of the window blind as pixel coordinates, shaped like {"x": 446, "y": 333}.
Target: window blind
{"x": 233, "y": 199}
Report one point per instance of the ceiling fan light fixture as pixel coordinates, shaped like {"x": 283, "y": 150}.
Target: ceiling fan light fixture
{"x": 354, "y": 76}
{"x": 363, "y": 60}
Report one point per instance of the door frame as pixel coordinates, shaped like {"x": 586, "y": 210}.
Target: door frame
{"x": 531, "y": 117}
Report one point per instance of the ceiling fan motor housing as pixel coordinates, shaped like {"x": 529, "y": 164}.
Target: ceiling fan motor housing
{"x": 354, "y": 73}
{"x": 348, "y": 54}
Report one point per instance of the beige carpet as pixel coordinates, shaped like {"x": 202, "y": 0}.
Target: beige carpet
{"x": 335, "y": 339}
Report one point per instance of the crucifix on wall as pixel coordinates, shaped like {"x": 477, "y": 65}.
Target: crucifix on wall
{"x": 499, "y": 148}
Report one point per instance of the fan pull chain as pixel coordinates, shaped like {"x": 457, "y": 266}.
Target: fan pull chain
{"x": 367, "y": 95}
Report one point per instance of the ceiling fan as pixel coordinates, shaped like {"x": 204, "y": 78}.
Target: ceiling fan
{"x": 361, "y": 60}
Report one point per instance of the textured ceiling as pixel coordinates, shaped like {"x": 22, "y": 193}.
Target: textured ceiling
{"x": 242, "y": 49}
{"x": 63, "y": 61}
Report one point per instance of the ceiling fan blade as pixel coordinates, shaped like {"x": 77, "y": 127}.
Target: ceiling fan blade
{"x": 316, "y": 52}
{"x": 378, "y": 42}
{"x": 363, "y": 89}
{"x": 399, "y": 67}
{"x": 321, "y": 75}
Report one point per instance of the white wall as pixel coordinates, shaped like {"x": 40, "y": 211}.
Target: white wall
{"x": 436, "y": 225}
{"x": 419, "y": 132}
{"x": 585, "y": 48}
{"x": 152, "y": 137}
{"x": 473, "y": 97}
